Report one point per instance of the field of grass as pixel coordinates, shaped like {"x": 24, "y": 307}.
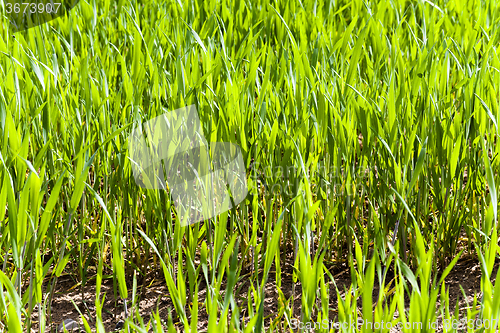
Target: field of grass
{"x": 368, "y": 132}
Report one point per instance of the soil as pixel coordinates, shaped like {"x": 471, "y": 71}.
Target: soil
{"x": 152, "y": 295}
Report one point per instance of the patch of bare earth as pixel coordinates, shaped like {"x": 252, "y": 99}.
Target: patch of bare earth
{"x": 152, "y": 295}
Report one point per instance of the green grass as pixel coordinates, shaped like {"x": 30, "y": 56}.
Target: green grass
{"x": 350, "y": 115}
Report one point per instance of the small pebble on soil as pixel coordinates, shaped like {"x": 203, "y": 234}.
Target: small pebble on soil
{"x": 69, "y": 324}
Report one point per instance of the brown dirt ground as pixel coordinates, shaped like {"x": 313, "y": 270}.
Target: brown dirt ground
{"x": 152, "y": 294}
